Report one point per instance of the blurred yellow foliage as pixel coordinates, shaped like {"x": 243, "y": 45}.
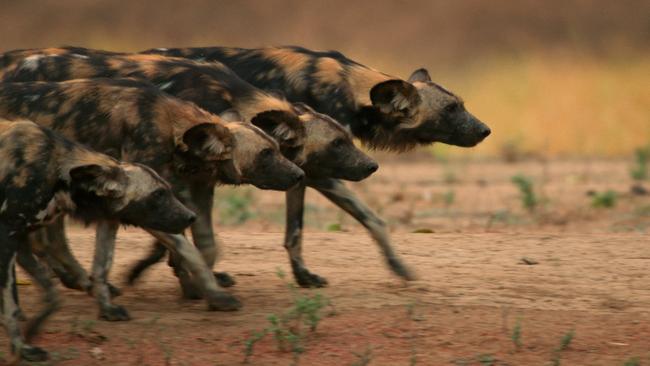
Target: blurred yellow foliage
{"x": 559, "y": 105}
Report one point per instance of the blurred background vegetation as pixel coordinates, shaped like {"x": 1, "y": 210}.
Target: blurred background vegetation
{"x": 552, "y": 78}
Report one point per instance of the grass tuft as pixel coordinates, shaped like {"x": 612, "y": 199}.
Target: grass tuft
{"x": 605, "y": 199}
{"x": 527, "y": 194}
{"x": 288, "y": 328}
{"x": 516, "y": 335}
{"x": 639, "y": 170}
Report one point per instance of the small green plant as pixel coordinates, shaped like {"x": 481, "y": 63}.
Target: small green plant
{"x": 528, "y": 197}
{"x": 639, "y": 170}
{"x": 605, "y": 199}
{"x": 449, "y": 197}
{"x": 486, "y": 359}
{"x": 413, "y": 360}
{"x": 335, "y": 226}
{"x": 130, "y": 342}
{"x": 501, "y": 216}
{"x": 338, "y": 224}
{"x": 565, "y": 342}
{"x": 235, "y": 207}
{"x": 249, "y": 344}
{"x": 68, "y": 354}
{"x": 634, "y": 361}
{"x": 450, "y": 177}
{"x": 516, "y": 334}
{"x": 288, "y": 328}
{"x": 643, "y": 211}
{"x": 88, "y": 325}
{"x": 440, "y": 152}
{"x": 168, "y": 352}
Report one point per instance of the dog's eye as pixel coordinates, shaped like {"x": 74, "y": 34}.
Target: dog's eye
{"x": 452, "y": 108}
{"x": 266, "y": 153}
{"x": 159, "y": 193}
{"x": 339, "y": 142}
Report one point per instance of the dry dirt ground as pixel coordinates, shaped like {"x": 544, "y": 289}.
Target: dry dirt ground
{"x": 591, "y": 277}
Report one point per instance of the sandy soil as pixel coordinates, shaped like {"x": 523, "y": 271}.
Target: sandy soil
{"x": 592, "y": 276}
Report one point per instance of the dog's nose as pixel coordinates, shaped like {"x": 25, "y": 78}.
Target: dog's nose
{"x": 191, "y": 218}
{"x": 299, "y": 176}
{"x": 372, "y": 167}
{"x": 485, "y": 132}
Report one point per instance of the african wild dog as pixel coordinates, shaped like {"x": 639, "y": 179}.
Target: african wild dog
{"x": 212, "y": 87}
{"x": 43, "y": 175}
{"x": 328, "y": 152}
{"x": 383, "y": 111}
{"x": 134, "y": 122}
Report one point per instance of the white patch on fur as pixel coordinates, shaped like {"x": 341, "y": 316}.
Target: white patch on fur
{"x": 214, "y": 145}
{"x": 42, "y": 214}
{"x": 165, "y": 86}
{"x": 32, "y": 97}
{"x": 31, "y": 63}
{"x": 83, "y": 57}
{"x": 400, "y": 102}
{"x": 283, "y": 131}
{"x": 4, "y": 206}
{"x": 49, "y": 211}
{"x": 141, "y": 182}
{"x": 161, "y": 49}
{"x": 60, "y": 203}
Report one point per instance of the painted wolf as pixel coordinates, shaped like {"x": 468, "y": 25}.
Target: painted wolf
{"x": 215, "y": 88}
{"x": 383, "y": 111}
{"x": 43, "y": 175}
{"x": 328, "y": 152}
{"x": 139, "y": 123}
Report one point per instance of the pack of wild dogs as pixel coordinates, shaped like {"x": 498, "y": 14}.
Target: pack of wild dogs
{"x": 142, "y": 139}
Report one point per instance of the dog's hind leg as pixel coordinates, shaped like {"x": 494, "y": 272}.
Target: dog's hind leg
{"x": 39, "y": 274}
{"x": 8, "y": 249}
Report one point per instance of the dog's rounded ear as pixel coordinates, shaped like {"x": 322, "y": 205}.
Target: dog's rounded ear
{"x": 421, "y": 75}
{"x": 231, "y": 115}
{"x": 104, "y": 181}
{"x": 284, "y": 127}
{"x": 395, "y": 97}
{"x": 209, "y": 141}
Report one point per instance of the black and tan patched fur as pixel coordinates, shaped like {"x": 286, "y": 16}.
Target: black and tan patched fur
{"x": 44, "y": 175}
{"x": 212, "y": 86}
{"x": 126, "y": 119}
{"x": 383, "y": 111}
